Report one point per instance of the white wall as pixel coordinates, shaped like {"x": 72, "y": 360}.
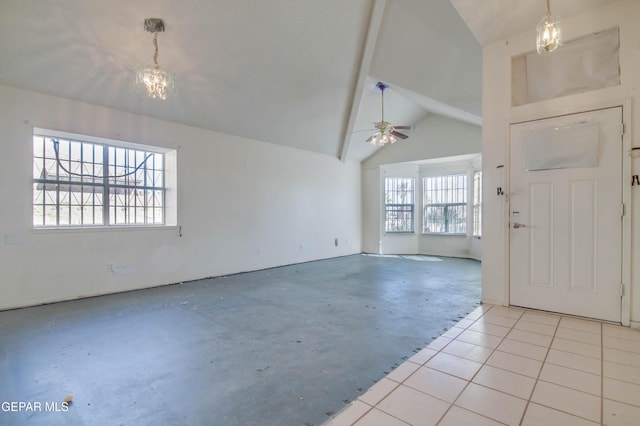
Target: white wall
{"x": 435, "y": 138}
{"x": 467, "y": 245}
{"x": 498, "y": 114}
{"x": 242, "y": 205}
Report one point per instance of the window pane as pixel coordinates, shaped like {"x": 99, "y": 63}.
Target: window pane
{"x": 70, "y": 185}
{"x": 445, "y": 204}
{"x": 399, "y": 204}
{"x": 457, "y": 219}
{"x": 434, "y": 219}
{"x": 50, "y": 215}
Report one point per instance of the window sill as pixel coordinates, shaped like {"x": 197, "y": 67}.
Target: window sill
{"x": 444, "y": 234}
{"x": 114, "y": 228}
{"x": 400, "y": 233}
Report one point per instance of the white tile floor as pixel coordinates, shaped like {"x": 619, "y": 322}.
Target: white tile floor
{"x": 511, "y": 366}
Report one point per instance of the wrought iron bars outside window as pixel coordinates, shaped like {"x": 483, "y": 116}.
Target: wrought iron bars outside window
{"x": 445, "y": 204}
{"x": 80, "y": 183}
{"x": 399, "y": 198}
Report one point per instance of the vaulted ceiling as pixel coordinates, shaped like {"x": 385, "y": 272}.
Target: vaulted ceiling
{"x": 492, "y": 20}
{"x": 299, "y": 73}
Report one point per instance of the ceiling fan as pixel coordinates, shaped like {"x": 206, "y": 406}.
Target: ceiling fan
{"x": 385, "y": 132}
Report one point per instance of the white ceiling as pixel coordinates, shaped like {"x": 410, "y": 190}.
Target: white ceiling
{"x": 282, "y": 71}
{"x": 492, "y": 20}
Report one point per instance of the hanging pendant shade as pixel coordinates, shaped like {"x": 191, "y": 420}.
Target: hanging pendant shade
{"x": 549, "y": 34}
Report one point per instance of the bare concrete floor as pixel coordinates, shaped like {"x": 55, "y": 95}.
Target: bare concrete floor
{"x": 284, "y": 346}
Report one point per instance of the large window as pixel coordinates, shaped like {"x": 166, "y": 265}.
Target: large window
{"x": 477, "y": 204}
{"x": 91, "y": 183}
{"x": 445, "y": 204}
{"x": 399, "y": 198}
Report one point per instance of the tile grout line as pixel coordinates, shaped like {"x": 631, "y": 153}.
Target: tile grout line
{"x": 493, "y": 350}
{"x": 372, "y": 407}
{"x": 451, "y": 404}
{"x": 524, "y": 413}
{"x": 483, "y": 364}
{"x": 563, "y": 386}
{"x": 543, "y": 362}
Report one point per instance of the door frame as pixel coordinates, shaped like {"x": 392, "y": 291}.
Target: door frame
{"x": 527, "y": 114}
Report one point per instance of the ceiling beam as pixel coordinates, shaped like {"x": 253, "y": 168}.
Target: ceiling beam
{"x": 375, "y": 22}
{"x": 440, "y": 108}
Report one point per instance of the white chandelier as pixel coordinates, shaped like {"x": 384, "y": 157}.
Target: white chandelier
{"x": 152, "y": 81}
{"x": 549, "y": 34}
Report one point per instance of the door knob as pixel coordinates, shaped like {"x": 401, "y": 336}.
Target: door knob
{"x": 519, "y": 225}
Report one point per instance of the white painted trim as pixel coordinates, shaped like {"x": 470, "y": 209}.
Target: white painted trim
{"x": 375, "y": 23}
{"x": 440, "y": 108}
{"x": 506, "y": 223}
{"x": 493, "y": 302}
{"x": 551, "y": 111}
{"x": 96, "y": 139}
{"x": 627, "y": 228}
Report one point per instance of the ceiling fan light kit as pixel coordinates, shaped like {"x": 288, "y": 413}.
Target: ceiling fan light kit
{"x": 385, "y": 132}
{"x": 549, "y": 33}
{"x": 152, "y": 81}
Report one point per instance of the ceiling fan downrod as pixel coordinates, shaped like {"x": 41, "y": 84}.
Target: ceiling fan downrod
{"x": 382, "y": 86}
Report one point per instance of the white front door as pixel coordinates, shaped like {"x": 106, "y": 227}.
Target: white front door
{"x": 565, "y": 214}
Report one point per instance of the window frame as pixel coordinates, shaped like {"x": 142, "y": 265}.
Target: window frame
{"x": 398, "y": 207}
{"x": 447, "y": 206}
{"x": 477, "y": 203}
{"x": 110, "y": 181}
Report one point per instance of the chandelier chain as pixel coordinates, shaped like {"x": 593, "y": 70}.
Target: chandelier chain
{"x": 155, "y": 44}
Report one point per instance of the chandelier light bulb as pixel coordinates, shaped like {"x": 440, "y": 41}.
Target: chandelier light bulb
{"x": 549, "y": 34}
{"x": 382, "y": 137}
{"x": 154, "y": 82}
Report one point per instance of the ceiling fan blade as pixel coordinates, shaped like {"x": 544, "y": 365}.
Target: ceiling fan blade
{"x": 399, "y": 135}
{"x": 405, "y": 127}
{"x": 369, "y": 140}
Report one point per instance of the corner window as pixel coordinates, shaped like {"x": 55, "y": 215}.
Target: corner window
{"x": 80, "y": 181}
{"x": 477, "y": 204}
{"x": 399, "y": 196}
{"x": 445, "y": 204}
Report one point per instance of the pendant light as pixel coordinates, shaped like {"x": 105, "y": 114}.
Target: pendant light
{"x": 549, "y": 33}
{"x": 152, "y": 81}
